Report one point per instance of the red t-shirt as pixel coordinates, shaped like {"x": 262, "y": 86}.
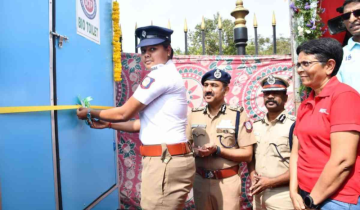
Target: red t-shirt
{"x": 336, "y": 108}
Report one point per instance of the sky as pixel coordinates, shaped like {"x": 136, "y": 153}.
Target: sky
{"x": 160, "y": 12}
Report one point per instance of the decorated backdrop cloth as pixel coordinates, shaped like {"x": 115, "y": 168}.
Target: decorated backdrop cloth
{"x": 246, "y": 72}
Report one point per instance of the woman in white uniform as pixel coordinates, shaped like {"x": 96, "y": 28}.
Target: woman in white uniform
{"x": 168, "y": 164}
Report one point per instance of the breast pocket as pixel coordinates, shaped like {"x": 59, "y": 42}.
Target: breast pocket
{"x": 281, "y": 145}
{"x": 200, "y": 136}
{"x": 227, "y": 138}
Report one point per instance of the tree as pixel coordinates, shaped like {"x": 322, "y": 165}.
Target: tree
{"x": 266, "y": 47}
{"x": 212, "y": 38}
{"x": 228, "y": 45}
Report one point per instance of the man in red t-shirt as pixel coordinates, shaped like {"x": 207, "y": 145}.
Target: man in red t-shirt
{"x": 325, "y": 158}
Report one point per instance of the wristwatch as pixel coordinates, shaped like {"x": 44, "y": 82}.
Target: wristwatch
{"x": 309, "y": 203}
{"x": 216, "y": 152}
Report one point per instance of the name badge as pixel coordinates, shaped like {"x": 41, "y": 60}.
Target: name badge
{"x": 198, "y": 126}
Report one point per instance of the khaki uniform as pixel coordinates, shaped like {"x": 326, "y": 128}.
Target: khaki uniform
{"x": 202, "y": 128}
{"x": 168, "y": 181}
{"x": 268, "y": 163}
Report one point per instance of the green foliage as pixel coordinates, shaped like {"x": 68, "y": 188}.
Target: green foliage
{"x": 307, "y": 20}
{"x": 266, "y": 47}
{"x": 177, "y": 51}
{"x": 212, "y": 40}
{"x": 307, "y": 24}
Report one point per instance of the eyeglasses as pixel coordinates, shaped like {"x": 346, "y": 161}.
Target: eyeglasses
{"x": 346, "y": 16}
{"x": 306, "y": 64}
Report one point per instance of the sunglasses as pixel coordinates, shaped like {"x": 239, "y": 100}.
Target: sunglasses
{"x": 346, "y": 16}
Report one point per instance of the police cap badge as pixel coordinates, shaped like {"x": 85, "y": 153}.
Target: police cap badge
{"x": 216, "y": 75}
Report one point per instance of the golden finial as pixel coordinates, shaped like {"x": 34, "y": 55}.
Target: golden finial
{"x": 203, "y": 24}
{"x": 169, "y": 26}
{"x": 185, "y": 26}
{"x": 152, "y": 23}
{"x": 273, "y": 19}
{"x": 239, "y": 14}
{"x": 135, "y": 25}
{"x": 219, "y": 23}
{"x": 255, "y": 21}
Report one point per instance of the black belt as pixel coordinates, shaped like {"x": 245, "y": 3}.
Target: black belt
{"x": 303, "y": 193}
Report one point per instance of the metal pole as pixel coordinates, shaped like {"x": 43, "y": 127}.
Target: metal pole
{"x": 274, "y": 32}
{"x": 220, "y": 42}
{"x": 136, "y": 44}
{"x": 240, "y": 30}
{"x": 256, "y": 42}
{"x": 203, "y": 35}
{"x": 186, "y": 44}
{"x": 121, "y": 48}
{"x": 136, "y": 40}
{"x": 186, "y": 37}
{"x": 274, "y": 38}
{"x": 256, "y": 36}
{"x": 203, "y": 41}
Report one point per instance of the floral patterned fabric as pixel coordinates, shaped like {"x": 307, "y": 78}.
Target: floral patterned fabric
{"x": 246, "y": 72}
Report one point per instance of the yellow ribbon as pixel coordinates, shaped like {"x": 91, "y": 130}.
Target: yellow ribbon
{"x": 20, "y": 109}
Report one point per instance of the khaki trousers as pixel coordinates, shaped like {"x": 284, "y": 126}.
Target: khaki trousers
{"x": 217, "y": 194}
{"x": 273, "y": 199}
{"x": 166, "y": 185}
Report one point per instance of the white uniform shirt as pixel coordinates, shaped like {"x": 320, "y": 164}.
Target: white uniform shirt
{"x": 163, "y": 120}
{"x": 349, "y": 72}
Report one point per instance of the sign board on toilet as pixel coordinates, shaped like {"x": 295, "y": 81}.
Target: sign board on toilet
{"x": 88, "y": 19}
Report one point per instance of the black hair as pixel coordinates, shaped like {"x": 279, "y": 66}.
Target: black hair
{"x": 324, "y": 49}
{"x": 225, "y": 84}
{"x": 346, "y": 2}
{"x": 166, "y": 44}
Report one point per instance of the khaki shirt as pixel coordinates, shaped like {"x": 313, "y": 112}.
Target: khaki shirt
{"x": 267, "y": 160}
{"x": 203, "y": 129}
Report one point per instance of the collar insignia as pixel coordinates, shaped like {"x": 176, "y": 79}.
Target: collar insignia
{"x": 205, "y": 110}
{"x": 282, "y": 118}
{"x": 223, "y": 108}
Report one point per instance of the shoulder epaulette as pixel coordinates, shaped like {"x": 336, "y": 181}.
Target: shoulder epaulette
{"x": 236, "y": 108}
{"x": 259, "y": 120}
{"x": 198, "y": 109}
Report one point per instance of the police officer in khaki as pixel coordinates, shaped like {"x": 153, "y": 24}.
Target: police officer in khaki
{"x": 269, "y": 170}
{"x": 222, "y": 137}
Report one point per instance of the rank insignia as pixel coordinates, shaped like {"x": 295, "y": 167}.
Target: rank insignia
{"x": 146, "y": 83}
{"x": 248, "y": 126}
{"x": 282, "y": 118}
{"x": 217, "y": 74}
{"x": 271, "y": 79}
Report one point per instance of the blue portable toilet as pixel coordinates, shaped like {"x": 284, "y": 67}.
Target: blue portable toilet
{"x": 50, "y": 53}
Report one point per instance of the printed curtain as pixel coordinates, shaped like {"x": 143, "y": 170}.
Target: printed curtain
{"x": 246, "y": 72}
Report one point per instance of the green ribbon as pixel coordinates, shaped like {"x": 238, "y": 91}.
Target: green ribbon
{"x": 85, "y": 102}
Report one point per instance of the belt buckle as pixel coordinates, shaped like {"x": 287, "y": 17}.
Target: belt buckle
{"x": 209, "y": 174}
{"x": 190, "y": 147}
